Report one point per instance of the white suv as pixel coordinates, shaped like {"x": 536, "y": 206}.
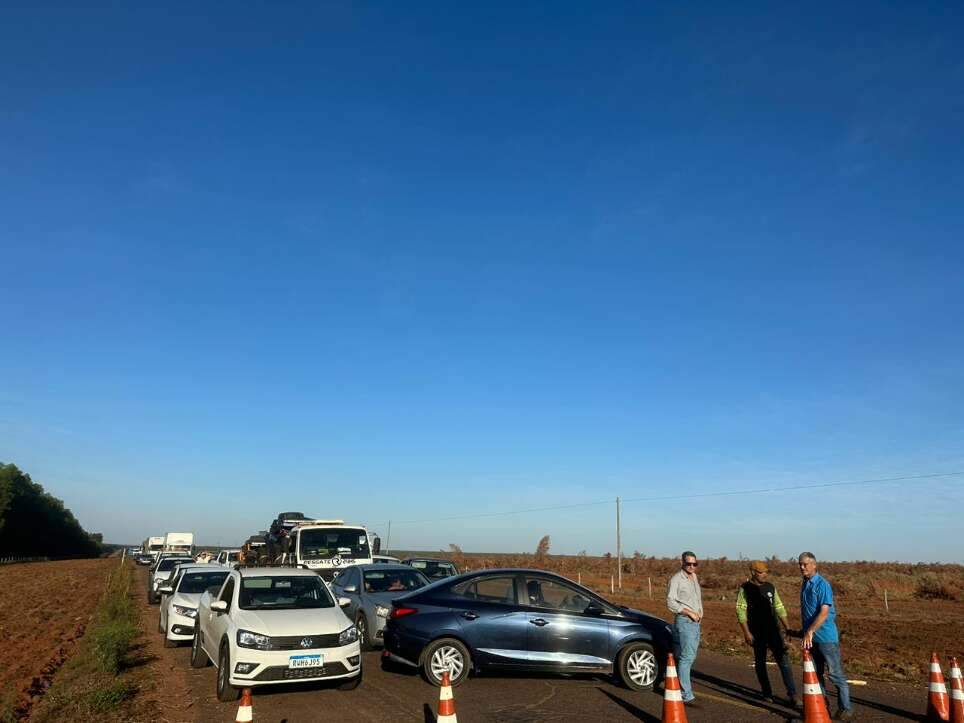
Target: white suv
{"x": 272, "y": 625}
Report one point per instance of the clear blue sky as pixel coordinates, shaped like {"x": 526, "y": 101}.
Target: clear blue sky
{"x": 415, "y": 260}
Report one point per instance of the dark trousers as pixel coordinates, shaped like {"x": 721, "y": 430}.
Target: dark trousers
{"x": 761, "y": 644}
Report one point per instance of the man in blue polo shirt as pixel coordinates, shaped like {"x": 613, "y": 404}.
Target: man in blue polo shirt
{"x": 819, "y": 632}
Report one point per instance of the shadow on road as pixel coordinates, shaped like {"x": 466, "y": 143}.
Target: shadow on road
{"x": 745, "y": 695}
{"x": 429, "y": 715}
{"x": 637, "y": 713}
{"x": 884, "y": 708}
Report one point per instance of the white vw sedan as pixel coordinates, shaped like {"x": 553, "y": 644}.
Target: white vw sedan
{"x": 272, "y": 625}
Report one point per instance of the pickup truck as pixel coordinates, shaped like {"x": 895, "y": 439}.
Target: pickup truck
{"x": 273, "y": 625}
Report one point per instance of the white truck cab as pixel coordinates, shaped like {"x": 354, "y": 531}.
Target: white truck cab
{"x": 182, "y": 542}
{"x": 326, "y": 546}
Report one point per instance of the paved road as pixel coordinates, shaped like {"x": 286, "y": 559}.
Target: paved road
{"x": 726, "y": 688}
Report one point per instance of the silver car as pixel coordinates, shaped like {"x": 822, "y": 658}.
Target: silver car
{"x": 371, "y": 589}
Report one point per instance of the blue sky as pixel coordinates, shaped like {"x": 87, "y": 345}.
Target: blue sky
{"x": 411, "y": 261}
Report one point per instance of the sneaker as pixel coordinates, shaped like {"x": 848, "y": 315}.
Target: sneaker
{"x": 842, "y": 714}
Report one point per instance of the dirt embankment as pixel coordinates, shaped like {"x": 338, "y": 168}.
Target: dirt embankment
{"x": 44, "y": 609}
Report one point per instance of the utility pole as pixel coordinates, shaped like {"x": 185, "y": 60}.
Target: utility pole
{"x": 388, "y": 540}
{"x": 619, "y": 547}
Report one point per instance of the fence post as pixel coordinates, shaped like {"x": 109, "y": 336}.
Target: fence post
{"x": 580, "y": 578}
{"x": 886, "y": 602}
{"x": 650, "y": 581}
{"x": 612, "y": 584}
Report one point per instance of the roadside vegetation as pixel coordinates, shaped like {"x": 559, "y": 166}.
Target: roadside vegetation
{"x": 95, "y": 683}
{"x": 34, "y": 523}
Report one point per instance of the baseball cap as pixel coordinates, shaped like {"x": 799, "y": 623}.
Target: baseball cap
{"x": 759, "y": 566}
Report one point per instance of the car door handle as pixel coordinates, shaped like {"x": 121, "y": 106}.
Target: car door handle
{"x": 470, "y": 616}
{"x": 540, "y": 622}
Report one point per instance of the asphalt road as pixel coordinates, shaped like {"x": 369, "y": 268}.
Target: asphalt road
{"x": 725, "y": 687}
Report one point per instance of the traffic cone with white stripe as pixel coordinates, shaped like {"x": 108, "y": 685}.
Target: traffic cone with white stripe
{"x": 446, "y": 703}
{"x": 673, "y": 709}
{"x": 938, "y": 706}
{"x": 814, "y": 704}
{"x": 245, "y": 710}
{"x": 957, "y": 693}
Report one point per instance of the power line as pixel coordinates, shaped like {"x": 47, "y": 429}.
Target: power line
{"x": 691, "y": 496}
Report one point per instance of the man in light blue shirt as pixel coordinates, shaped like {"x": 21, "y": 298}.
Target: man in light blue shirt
{"x": 818, "y": 614}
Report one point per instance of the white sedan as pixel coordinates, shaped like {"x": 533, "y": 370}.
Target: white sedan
{"x": 179, "y": 600}
{"x": 273, "y": 625}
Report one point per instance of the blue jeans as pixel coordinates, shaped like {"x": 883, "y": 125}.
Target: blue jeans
{"x": 686, "y": 641}
{"x": 827, "y": 656}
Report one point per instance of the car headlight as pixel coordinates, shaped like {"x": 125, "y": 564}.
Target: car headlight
{"x": 247, "y": 639}
{"x": 382, "y": 611}
{"x": 186, "y": 612}
{"x": 348, "y": 635}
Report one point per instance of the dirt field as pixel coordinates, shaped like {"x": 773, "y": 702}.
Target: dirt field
{"x": 44, "y": 609}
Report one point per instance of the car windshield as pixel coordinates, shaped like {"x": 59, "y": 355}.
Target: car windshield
{"x": 348, "y": 544}
{"x": 198, "y": 582}
{"x": 435, "y": 569}
{"x": 393, "y": 580}
{"x": 284, "y": 593}
{"x": 169, "y": 563}
{"x": 232, "y": 557}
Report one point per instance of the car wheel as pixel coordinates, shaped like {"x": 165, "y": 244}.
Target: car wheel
{"x": 199, "y": 659}
{"x": 446, "y": 654}
{"x": 160, "y": 624}
{"x": 363, "y": 636}
{"x": 638, "y": 666}
{"x": 351, "y": 683}
{"x": 226, "y": 692}
{"x": 168, "y": 643}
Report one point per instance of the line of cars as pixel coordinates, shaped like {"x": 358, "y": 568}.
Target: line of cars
{"x": 272, "y": 625}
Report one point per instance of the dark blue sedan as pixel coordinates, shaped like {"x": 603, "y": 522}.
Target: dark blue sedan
{"x": 523, "y": 620}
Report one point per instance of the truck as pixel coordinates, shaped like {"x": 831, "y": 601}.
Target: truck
{"x": 179, "y": 542}
{"x": 154, "y": 545}
{"x": 326, "y": 546}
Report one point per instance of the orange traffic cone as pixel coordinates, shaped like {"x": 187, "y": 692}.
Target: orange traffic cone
{"x": 957, "y": 693}
{"x": 938, "y": 707}
{"x": 446, "y": 703}
{"x": 673, "y": 709}
{"x": 814, "y": 705}
{"x": 245, "y": 710}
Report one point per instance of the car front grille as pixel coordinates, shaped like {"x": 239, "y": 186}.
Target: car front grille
{"x": 281, "y": 672}
{"x": 297, "y": 642}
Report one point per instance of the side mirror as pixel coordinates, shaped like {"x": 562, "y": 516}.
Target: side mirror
{"x": 165, "y": 590}
{"x": 343, "y": 602}
{"x": 351, "y": 588}
{"x": 594, "y": 608}
{"x": 219, "y": 606}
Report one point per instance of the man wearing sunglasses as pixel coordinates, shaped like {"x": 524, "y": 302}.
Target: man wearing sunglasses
{"x": 685, "y": 601}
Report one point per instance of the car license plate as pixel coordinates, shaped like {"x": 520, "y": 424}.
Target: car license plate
{"x": 305, "y": 661}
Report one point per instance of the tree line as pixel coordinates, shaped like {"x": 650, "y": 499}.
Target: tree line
{"x": 35, "y": 523}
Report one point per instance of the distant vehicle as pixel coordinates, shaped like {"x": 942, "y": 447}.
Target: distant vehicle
{"x": 371, "y": 589}
{"x": 523, "y": 620}
{"x": 179, "y": 600}
{"x": 386, "y": 560}
{"x": 274, "y": 625}
{"x": 179, "y": 542}
{"x": 143, "y": 558}
{"x": 227, "y": 558}
{"x": 326, "y": 546}
{"x": 154, "y": 545}
{"x": 161, "y": 573}
{"x": 432, "y": 568}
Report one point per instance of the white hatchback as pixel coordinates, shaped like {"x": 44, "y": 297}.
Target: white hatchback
{"x": 179, "y": 600}
{"x": 273, "y": 625}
